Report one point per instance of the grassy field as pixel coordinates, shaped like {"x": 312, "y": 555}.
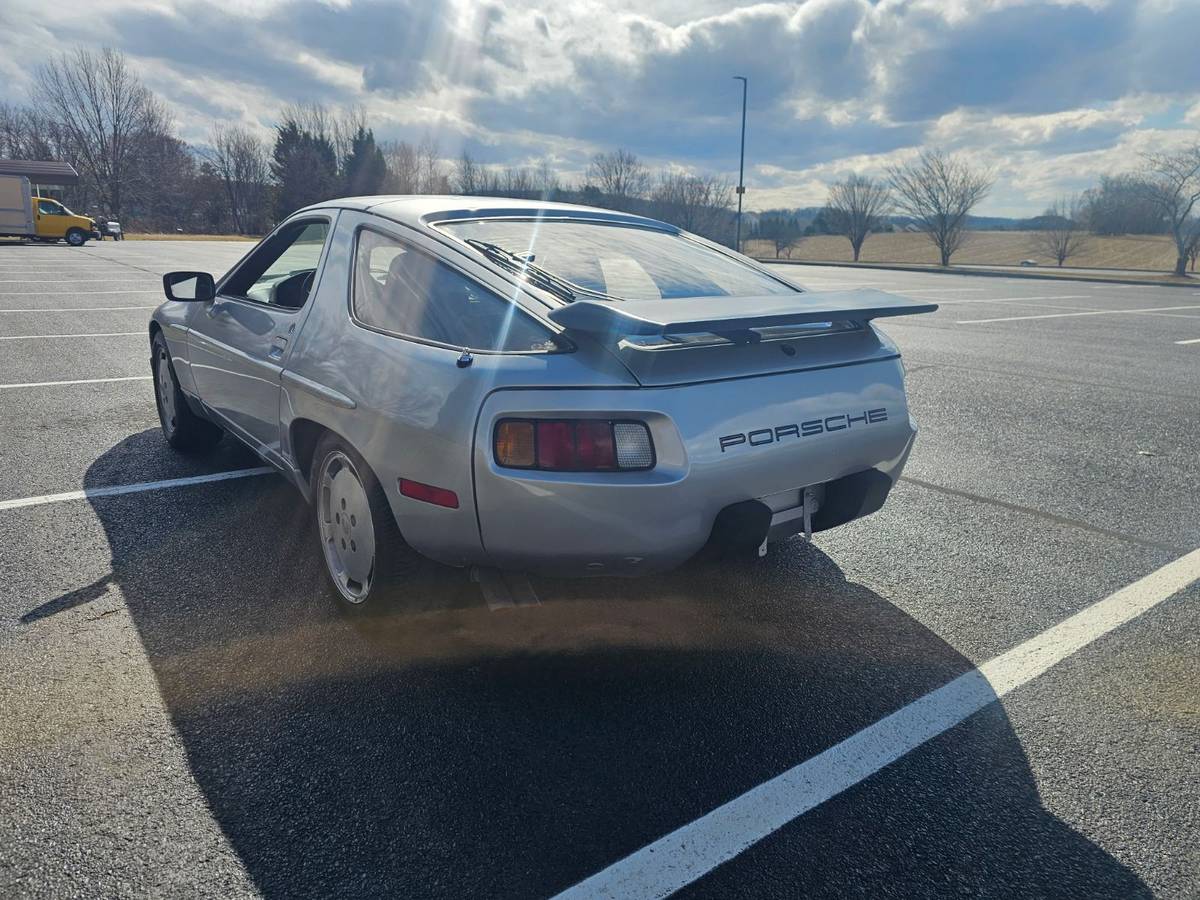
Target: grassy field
{"x": 1155, "y": 253}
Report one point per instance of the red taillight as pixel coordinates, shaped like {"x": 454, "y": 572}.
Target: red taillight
{"x": 594, "y": 447}
{"x": 428, "y": 493}
{"x": 556, "y": 445}
{"x": 573, "y": 445}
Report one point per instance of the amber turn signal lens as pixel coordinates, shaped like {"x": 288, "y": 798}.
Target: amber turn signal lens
{"x": 515, "y": 445}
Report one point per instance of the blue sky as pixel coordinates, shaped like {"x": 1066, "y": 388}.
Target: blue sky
{"x": 1048, "y": 95}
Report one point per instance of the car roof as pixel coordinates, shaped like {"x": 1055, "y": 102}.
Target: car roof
{"x": 424, "y": 209}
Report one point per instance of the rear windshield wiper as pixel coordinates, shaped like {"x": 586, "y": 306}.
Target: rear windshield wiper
{"x": 519, "y": 265}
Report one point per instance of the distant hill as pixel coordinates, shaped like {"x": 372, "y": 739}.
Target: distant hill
{"x": 806, "y": 214}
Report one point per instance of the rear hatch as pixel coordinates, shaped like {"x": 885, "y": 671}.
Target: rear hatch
{"x": 696, "y": 339}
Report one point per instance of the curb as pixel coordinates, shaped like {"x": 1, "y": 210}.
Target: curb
{"x": 981, "y": 273}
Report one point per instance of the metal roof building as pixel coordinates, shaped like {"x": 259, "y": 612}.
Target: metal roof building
{"x": 41, "y": 171}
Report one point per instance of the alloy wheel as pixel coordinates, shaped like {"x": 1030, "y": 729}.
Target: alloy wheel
{"x": 165, "y": 384}
{"x": 347, "y": 531}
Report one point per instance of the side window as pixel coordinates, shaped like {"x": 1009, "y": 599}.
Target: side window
{"x": 281, "y": 272}
{"x": 401, "y": 290}
{"x": 49, "y": 208}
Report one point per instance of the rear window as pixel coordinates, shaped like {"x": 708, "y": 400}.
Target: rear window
{"x": 625, "y": 262}
{"x": 403, "y": 291}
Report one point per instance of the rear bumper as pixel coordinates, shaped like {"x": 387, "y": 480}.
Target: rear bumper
{"x": 631, "y": 523}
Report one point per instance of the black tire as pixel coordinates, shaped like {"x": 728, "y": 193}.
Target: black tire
{"x": 343, "y": 531}
{"x": 182, "y": 428}
{"x": 77, "y": 237}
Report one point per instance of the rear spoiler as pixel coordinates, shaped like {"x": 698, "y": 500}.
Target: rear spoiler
{"x": 725, "y": 315}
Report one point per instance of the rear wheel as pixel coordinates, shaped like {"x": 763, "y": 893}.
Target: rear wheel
{"x": 76, "y": 237}
{"x": 360, "y": 542}
{"x": 183, "y": 429}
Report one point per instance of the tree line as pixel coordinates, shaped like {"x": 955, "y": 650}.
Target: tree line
{"x": 89, "y": 108}
{"x": 935, "y": 194}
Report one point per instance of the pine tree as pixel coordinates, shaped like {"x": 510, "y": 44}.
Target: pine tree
{"x": 364, "y": 170}
{"x": 305, "y": 167}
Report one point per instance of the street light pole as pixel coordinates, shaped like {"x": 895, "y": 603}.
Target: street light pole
{"x": 741, "y": 188}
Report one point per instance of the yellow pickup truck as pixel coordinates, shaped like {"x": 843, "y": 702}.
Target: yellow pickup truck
{"x": 26, "y": 214}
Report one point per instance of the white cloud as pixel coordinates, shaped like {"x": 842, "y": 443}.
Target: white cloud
{"x": 1045, "y": 92}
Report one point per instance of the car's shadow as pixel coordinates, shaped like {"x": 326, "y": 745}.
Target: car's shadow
{"x": 459, "y": 752}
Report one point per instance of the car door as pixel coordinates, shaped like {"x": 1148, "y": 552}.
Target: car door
{"x": 52, "y": 219}
{"x": 238, "y": 342}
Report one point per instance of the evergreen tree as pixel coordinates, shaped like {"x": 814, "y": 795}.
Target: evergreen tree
{"x": 305, "y": 167}
{"x": 364, "y": 169}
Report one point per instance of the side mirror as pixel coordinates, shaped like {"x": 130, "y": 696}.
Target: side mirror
{"x": 189, "y": 286}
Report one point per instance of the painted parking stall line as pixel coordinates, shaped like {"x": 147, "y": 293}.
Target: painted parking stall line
{"x": 77, "y": 309}
{"x": 938, "y": 291}
{"x": 1190, "y": 341}
{"x": 89, "y": 293}
{"x": 1017, "y": 300}
{"x": 41, "y": 384}
{"x": 39, "y": 337}
{"x": 1066, "y": 315}
{"x": 117, "y": 490}
{"x": 690, "y": 852}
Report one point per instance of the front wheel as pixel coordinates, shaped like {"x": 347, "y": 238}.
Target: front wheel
{"x": 183, "y": 429}
{"x": 360, "y": 542}
{"x": 76, "y": 237}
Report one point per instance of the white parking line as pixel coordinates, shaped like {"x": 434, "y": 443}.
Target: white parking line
{"x": 117, "y": 490}
{"x": 690, "y": 852}
{"x": 75, "y": 309}
{"x": 89, "y": 293}
{"x": 1016, "y": 299}
{"x": 69, "y": 280}
{"x": 37, "y": 384}
{"x": 937, "y": 290}
{"x": 1091, "y": 312}
{"x": 38, "y": 337}
{"x": 1190, "y": 341}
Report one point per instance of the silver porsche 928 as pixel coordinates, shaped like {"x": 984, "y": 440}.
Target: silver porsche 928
{"x": 532, "y": 387}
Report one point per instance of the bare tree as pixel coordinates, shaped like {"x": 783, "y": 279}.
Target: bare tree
{"x": 1062, "y": 234}
{"x": 939, "y": 191}
{"x": 404, "y": 170}
{"x": 434, "y": 177}
{"x": 1192, "y": 229}
{"x": 856, "y": 207}
{"x": 418, "y": 169}
{"x": 783, "y": 231}
{"x": 517, "y": 181}
{"x": 619, "y": 174}
{"x": 344, "y": 126}
{"x": 466, "y": 178}
{"x": 1173, "y": 184}
{"x": 1121, "y": 204}
{"x": 102, "y": 106}
{"x": 696, "y": 203}
{"x": 14, "y": 132}
{"x": 242, "y": 161}
{"x": 546, "y": 180}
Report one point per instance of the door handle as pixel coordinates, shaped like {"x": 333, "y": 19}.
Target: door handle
{"x": 277, "y": 347}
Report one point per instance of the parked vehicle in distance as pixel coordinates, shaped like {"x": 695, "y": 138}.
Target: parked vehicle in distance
{"x": 534, "y": 387}
{"x": 1029, "y": 262}
{"x": 24, "y": 214}
{"x": 111, "y": 228}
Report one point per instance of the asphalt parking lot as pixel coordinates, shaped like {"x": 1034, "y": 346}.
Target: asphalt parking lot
{"x": 184, "y": 714}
